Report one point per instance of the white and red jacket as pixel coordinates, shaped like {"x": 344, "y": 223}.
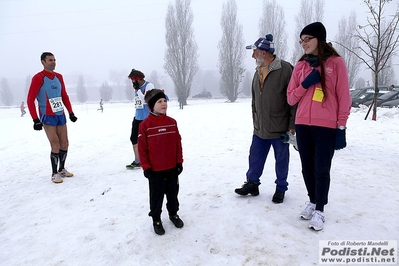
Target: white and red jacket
{"x": 159, "y": 143}
{"x": 334, "y": 110}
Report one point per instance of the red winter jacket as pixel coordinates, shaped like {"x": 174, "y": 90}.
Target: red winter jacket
{"x": 159, "y": 143}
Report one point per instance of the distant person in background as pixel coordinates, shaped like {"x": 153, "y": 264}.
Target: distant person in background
{"x": 141, "y": 86}
{"x": 101, "y": 106}
{"x": 22, "y": 107}
{"x": 392, "y": 88}
{"x": 161, "y": 158}
{"x": 272, "y": 116}
{"x": 48, "y": 88}
{"x": 320, "y": 87}
{"x": 181, "y": 100}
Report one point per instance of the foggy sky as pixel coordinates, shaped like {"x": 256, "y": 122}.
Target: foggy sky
{"x": 92, "y": 37}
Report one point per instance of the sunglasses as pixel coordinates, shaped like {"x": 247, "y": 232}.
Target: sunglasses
{"x": 306, "y": 40}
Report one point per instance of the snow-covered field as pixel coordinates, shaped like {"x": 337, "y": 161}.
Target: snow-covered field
{"x": 100, "y": 216}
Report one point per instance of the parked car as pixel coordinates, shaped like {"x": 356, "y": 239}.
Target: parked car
{"x": 204, "y": 94}
{"x": 389, "y": 96}
{"x": 357, "y": 92}
{"x": 391, "y": 104}
{"x": 364, "y": 97}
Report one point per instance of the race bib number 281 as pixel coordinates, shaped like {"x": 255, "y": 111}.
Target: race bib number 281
{"x": 56, "y": 104}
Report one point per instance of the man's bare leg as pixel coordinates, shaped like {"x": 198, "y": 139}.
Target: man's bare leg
{"x": 51, "y": 132}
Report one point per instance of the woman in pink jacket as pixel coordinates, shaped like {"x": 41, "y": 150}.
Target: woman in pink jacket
{"x": 319, "y": 85}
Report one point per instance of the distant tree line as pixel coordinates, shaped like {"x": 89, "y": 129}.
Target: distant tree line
{"x": 373, "y": 45}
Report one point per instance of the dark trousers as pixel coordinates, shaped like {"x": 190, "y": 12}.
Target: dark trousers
{"x": 135, "y": 131}
{"x": 161, "y": 183}
{"x": 257, "y": 158}
{"x": 316, "y": 149}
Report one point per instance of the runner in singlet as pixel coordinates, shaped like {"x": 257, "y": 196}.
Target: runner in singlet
{"x": 48, "y": 88}
{"x": 141, "y": 87}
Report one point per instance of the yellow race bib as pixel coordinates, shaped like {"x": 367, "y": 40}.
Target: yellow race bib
{"x": 318, "y": 95}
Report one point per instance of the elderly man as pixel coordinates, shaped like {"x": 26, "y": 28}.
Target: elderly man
{"x": 272, "y": 116}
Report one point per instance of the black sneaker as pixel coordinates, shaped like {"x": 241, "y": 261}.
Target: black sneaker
{"x": 248, "y": 188}
{"x": 278, "y": 196}
{"x": 176, "y": 221}
{"x": 158, "y": 228}
{"x": 133, "y": 165}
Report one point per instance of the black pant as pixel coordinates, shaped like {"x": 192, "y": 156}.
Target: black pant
{"x": 316, "y": 149}
{"x": 160, "y": 183}
{"x": 135, "y": 131}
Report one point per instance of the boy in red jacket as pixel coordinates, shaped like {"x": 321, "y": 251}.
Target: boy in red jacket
{"x": 161, "y": 159}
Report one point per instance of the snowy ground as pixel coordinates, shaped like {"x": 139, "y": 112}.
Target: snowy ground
{"x": 99, "y": 217}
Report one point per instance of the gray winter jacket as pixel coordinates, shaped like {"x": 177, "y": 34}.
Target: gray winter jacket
{"x": 271, "y": 113}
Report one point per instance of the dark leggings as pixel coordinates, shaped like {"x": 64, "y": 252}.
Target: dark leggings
{"x": 135, "y": 131}
{"x": 316, "y": 149}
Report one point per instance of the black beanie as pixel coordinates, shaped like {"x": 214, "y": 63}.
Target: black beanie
{"x": 315, "y": 29}
{"x": 152, "y": 96}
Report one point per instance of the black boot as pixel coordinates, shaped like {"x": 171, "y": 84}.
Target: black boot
{"x": 176, "y": 221}
{"x": 158, "y": 228}
{"x": 278, "y": 196}
{"x": 249, "y": 187}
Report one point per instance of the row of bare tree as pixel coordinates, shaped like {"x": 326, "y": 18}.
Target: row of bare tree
{"x": 373, "y": 44}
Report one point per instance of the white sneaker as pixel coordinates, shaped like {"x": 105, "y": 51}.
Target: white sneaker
{"x": 307, "y": 213}
{"x": 65, "y": 173}
{"x": 317, "y": 220}
{"x": 56, "y": 178}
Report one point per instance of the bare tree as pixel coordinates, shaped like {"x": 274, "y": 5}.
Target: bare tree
{"x": 181, "y": 54}
{"x": 106, "y": 92}
{"x": 247, "y": 84}
{"x": 205, "y": 80}
{"x": 360, "y": 83}
{"x": 273, "y": 21}
{"x": 318, "y": 10}
{"x": 231, "y": 51}
{"x": 81, "y": 93}
{"x": 27, "y": 85}
{"x": 348, "y": 45}
{"x": 154, "y": 79}
{"x": 387, "y": 74}
{"x": 6, "y": 95}
{"x": 380, "y": 41}
{"x": 129, "y": 91}
{"x": 117, "y": 78}
{"x": 310, "y": 11}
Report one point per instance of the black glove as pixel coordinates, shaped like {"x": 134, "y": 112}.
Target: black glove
{"x": 148, "y": 173}
{"x": 37, "y": 125}
{"x": 73, "y": 117}
{"x": 340, "y": 139}
{"x": 179, "y": 168}
{"x": 136, "y": 85}
{"x": 312, "y": 78}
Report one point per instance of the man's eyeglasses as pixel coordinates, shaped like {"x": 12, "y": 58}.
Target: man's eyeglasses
{"x": 306, "y": 40}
